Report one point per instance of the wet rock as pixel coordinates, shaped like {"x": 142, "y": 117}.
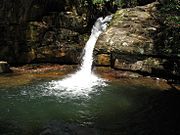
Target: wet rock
{"x": 145, "y": 65}
{"x": 103, "y": 60}
{"x": 4, "y": 67}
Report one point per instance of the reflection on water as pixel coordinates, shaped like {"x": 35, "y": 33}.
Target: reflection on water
{"x": 121, "y": 108}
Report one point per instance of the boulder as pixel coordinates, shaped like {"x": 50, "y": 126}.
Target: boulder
{"x": 4, "y": 67}
{"x": 135, "y": 43}
{"x": 131, "y": 31}
{"x": 147, "y": 65}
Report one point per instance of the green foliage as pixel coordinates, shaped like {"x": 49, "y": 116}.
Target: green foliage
{"x": 126, "y": 3}
{"x": 171, "y": 13}
{"x": 173, "y": 5}
{"x": 121, "y": 3}
{"x": 173, "y": 20}
{"x": 99, "y": 1}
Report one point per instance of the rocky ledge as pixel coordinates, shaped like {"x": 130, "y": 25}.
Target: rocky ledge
{"x": 4, "y": 67}
{"x": 134, "y": 42}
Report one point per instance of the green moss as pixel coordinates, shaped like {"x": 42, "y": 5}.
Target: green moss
{"x": 117, "y": 17}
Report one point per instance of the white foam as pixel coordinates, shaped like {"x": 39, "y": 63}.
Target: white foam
{"x": 82, "y": 83}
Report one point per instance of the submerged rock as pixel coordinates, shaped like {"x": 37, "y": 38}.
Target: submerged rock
{"x": 132, "y": 42}
{"x": 62, "y": 128}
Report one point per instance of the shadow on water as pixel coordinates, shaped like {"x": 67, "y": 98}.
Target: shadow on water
{"x": 159, "y": 115}
{"x": 117, "y": 110}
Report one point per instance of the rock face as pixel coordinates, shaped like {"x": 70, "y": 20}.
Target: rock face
{"x": 134, "y": 41}
{"x": 4, "y": 67}
{"x": 34, "y": 31}
{"x": 43, "y": 30}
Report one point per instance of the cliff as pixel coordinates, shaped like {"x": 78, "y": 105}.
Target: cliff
{"x": 43, "y": 30}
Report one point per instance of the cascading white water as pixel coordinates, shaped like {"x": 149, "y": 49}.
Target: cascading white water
{"x": 82, "y": 82}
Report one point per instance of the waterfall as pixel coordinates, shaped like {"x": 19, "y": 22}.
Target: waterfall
{"x": 99, "y": 26}
{"x": 83, "y": 81}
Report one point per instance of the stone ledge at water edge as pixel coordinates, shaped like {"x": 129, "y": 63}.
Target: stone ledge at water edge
{"x": 4, "y": 67}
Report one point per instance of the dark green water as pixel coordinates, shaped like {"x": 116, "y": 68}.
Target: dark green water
{"x": 112, "y": 110}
